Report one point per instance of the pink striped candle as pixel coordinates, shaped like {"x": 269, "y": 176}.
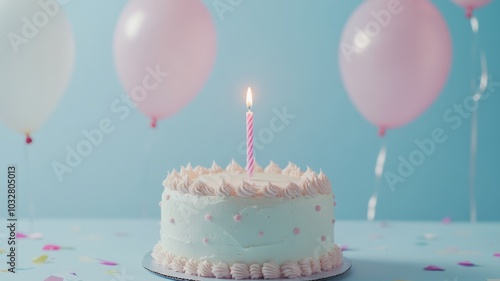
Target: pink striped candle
{"x": 250, "y": 157}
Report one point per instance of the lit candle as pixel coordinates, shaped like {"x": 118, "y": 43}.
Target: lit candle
{"x": 250, "y": 157}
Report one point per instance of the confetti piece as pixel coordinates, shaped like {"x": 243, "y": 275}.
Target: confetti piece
{"x": 2, "y": 251}
{"x": 112, "y": 272}
{"x": 344, "y": 248}
{"x": 54, "y": 278}
{"x": 40, "y": 259}
{"x": 429, "y": 236}
{"x": 4, "y": 270}
{"x": 433, "y": 268}
{"x": 466, "y": 263}
{"x": 50, "y": 247}
{"x": 446, "y": 220}
{"x": 86, "y": 259}
{"x": 496, "y": 255}
{"x": 108, "y": 263}
{"x": 36, "y": 235}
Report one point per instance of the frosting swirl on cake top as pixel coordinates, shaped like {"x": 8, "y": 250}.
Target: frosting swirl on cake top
{"x": 271, "y": 181}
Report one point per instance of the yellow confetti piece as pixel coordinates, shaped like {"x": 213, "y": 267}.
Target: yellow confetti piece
{"x": 86, "y": 259}
{"x": 40, "y": 259}
{"x": 2, "y": 251}
{"x": 4, "y": 270}
{"x": 112, "y": 271}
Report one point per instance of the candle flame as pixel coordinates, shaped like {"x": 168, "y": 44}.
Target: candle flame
{"x": 249, "y": 98}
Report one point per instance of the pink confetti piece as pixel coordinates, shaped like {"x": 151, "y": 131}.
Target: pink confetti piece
{"x": 433, "y": 268}
{"x": 446, "y": 220}
{"x": 108, "y": 263}
{"x": 344, "y": 248}
{"x": 496, "y": 255}
{"x": 36, "y": 235}
{"x": 54, "y": 278}
{"x": 50, "y": 247}
{"x": 466, "y": 263}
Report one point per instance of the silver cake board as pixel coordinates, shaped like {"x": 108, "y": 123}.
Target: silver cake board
{"x": 149, "y": 264}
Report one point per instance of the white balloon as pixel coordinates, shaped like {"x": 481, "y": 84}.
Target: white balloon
{"x": 36, "y": 59}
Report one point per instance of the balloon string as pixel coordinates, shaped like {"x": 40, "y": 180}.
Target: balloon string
{"x": 31, "y": 205}
{"x": 146, "y": 167}
{"x": 379, "y": 171}
{"x": 477, "y": 94}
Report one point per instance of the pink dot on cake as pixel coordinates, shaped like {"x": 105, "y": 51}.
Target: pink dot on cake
{"x": 261, "y": 234}
{"x": 333, "y": 220}
{"x": 205, "y": 240}
{"x": 167, "y": 197}
{"x": 208, "y": 217}
{"x": 296, "y": 231}
{"x": 323, "y": 238}
{"x": 172, "y": 220}
{"x": 237, "y": 218}
{"x": 318, "y": 208}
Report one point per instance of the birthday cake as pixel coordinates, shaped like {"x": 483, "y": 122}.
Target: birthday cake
{"x": 220, "y": 223}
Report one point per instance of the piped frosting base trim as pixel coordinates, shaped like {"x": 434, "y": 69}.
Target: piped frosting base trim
{"x": 269, "y": 270}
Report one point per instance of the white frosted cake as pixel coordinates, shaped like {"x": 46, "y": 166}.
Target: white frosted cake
{"x": 219, "y": 223}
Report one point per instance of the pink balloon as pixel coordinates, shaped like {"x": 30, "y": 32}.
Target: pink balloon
{"x": 470, "y": 5}
{"x": 164, "y": 53}
{"x": 395, "y": 57}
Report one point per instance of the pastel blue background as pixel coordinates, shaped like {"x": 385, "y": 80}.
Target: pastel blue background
{"x": 287, "y": 51}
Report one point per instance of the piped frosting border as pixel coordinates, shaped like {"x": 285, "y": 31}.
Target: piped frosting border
{"x": 268, "y": 270}
{"x": 187, "y": 181}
